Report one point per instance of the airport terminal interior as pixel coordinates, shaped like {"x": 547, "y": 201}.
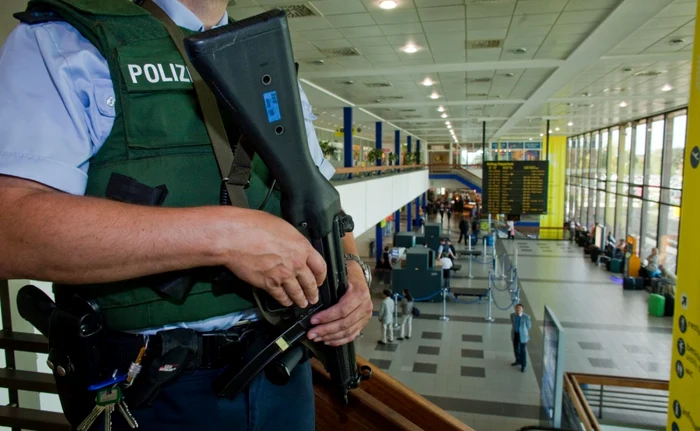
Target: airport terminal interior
{"x": 542, "y": 150}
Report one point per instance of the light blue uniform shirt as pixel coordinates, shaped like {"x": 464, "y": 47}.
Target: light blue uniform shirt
{"x": 57, "y": 109}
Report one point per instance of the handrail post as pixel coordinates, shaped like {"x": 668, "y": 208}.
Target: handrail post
{"x": 10, "y": 361}
{"x": 600, "y": 405}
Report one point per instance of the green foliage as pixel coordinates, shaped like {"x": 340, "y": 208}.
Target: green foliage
{"x": 374, "y": 154}
{"x": 409, "y": 158}
{"x": 328, "y": 149}
{"x": 416, "y": 157}
{"x": 391, "y": 157}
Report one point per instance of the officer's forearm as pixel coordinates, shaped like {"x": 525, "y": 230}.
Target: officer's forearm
{"x": 354, "y": 268}
{"x": 48, "y": 235}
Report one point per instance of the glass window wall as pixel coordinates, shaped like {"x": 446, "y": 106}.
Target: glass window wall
{"x": 629, "y": 177}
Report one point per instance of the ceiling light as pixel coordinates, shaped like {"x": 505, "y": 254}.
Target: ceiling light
{"x": 541, "y": 135}
{"x": 427, "y": 82}
{"x": 441, "y": 109}
{"x": 410, "y": 48}
{"x": 444, "y": 115}
{"x": 519, "y": 51}
{"x": 449, "y": 126}
{"x": 531, "y": 139}
{"x": 677, "y": 41}
{"x": 556, "y": 129}
{"x": 550, "y": 132}
{"x": 606, "y": 90}
{"x": 623, "y": 104}
{"x": 388, "y": 4}
{"x": 571, "y": 123}
{"x": 447, "y": 122}
{"x": 586, "y": 94}
{"x": 667, "y": 87}
{"x": 434, "y": 96}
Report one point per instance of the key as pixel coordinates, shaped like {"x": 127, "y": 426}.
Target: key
{"x": 128, "y": 417}
{"x": 109, "y": 408}
{"x": 91, "y": 418}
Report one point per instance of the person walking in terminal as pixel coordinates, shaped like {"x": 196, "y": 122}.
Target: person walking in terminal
{"x": 463, "y": 231}
{"x": 520, "y": 333}
{"x": 442, "y": 213}
{"x": 406, "y": 315}
{"x": 386, "y": 317}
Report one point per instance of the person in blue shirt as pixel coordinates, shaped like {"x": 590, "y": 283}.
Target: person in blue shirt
{"x": 56, "y": 111}
{"x": 520, "y": 334}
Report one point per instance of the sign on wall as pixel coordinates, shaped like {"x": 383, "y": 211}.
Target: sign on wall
{"x": 515, "y": 188}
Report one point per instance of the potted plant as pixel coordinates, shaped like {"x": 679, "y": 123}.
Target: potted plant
{"x": 409, "y": 158}
{"x": 328, "y": 149}
{"x": 391, "y": 158}
{"x": 374, "y": 154}
{"x": 416, "y": 157}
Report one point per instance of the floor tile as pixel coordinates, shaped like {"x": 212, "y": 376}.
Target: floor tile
{"x": 602, "y": 363}
{"x": 432, "y": 335}
{"x": 420, "y": 367}
{"x": 473, "y": 372}
{"x": 637, "y": 349}
{"x": 428, "y": 350}
{"x": 469, "y": 353}
{"x": 473, "y": 338}
{"x": 383, "y": 364}
{"x": 391, "y": 347}
{"x": 585, "y": 345}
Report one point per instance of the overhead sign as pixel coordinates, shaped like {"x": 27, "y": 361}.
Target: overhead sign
{"x": 515, "y": 188}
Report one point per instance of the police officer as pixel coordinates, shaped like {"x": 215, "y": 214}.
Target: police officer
{"x": 95, "y": 87}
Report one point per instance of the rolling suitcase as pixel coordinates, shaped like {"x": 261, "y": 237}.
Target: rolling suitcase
{"x": 669, "y": 305}
{"x": 657, "y": 305}
{"x": 616, "y": 266}
{"x": 633, "y": 283}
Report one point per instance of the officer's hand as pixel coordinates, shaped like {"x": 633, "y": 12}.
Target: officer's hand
{"x": 342, "y": 323}
{"x": 270, "y": 254}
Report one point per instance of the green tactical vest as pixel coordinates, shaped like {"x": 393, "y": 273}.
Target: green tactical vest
{"x": 158, "y": 137}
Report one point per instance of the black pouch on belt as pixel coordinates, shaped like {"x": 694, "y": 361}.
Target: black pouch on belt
{"x": 177, "y": 352}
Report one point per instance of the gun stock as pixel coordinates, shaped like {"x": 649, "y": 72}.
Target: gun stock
{"x": 249, "y": 65}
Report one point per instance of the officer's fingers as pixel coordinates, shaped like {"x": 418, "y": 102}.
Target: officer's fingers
{"x": 293, "y": 290}
{"x": 317, "y": 265}
{"x": 345, "y": 340}
{"x": 280, "y": 296}
{"x": 308, "y": 284}
{"x": 343, "y": 328}
{"x": 347, "y": 304}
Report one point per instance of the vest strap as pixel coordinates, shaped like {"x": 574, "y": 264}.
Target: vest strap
{"x": 235, "y": 166}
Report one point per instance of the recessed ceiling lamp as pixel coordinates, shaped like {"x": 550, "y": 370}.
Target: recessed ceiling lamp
{"x": 444, "y": 115}
{"x": 427, "y": 82}
{"x": 447, "y": 123}
{"x": 441, "y": 109}
{"x": 556, "y": 129}
{"x": 550, "y": 132}
{"x": 571, "y": 123}
{"x": 541, "y": 135}
{"x": 586, "y": 94}
{"x": 388, "y": 4}
{"x": 434, "y": 96}
{"x": 667, "y": 87}
{"x": 519, "y": 51}
{"x": 531, "y": 139}
{"x": 410, "y": 49}
{"x": 623, "y": 104}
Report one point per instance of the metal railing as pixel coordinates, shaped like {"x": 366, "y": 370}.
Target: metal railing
{"x": 14, "y": 380}
{"x": 367, "y": 172}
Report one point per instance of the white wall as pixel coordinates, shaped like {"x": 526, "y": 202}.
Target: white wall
{"x": 371, "y": 201}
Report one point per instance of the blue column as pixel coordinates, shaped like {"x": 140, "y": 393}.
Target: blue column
{"x": 418, "y": 151}
{"x": 378, "y": 243}
{"x": 408, "y": 217}
{"x": 408, "y": 145}
{"x": 397, "y": 153}
{"x": 397, "y": 147}
{"x": 418, "y": 211}
{"x": 378, "y": 140}
{"x": 347, "y": 136}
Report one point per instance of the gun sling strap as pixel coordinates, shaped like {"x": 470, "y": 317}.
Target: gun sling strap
{"x": 234, "y": 165}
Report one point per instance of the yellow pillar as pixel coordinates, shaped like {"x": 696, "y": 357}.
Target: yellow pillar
{"x": 684, "y": 393}
{"x": 555, "y": 189}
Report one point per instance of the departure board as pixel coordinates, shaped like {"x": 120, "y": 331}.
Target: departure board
{"x": 515, "y": 187}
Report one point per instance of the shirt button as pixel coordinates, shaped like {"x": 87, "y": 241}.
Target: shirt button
{"x": 111, "y": 101}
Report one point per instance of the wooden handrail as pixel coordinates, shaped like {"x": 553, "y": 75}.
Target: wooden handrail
{"x": 364, "y": 169}
{"x": 625, "y": 382}
{"x": 409, "y": 404}
{"x": 584, "y": 402}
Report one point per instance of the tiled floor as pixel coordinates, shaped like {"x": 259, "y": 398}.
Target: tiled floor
{"x": 464, "y": 365}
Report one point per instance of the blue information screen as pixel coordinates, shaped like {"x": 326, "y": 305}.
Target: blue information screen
{"x": 272, "y": 107}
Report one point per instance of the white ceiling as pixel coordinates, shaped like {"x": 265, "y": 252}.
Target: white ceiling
{"x": 581, "y": 62}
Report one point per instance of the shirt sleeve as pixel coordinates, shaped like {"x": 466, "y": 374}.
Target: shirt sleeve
{"x": 50, "y": 121}
{"x": 316, "y": 154}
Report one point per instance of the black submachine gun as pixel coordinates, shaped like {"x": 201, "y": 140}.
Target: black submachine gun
{"x": 250, "y": 67}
